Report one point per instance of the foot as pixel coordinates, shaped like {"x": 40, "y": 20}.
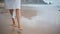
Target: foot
{"x": 20, "y": 28}
{"x": 14, "y": 25}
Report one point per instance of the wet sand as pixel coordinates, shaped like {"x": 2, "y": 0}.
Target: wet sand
{"x": 32, "y": 21}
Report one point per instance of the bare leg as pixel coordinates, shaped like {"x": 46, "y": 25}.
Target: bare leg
{"x": 11, "y": 12}
{"x": 18, "y": 15}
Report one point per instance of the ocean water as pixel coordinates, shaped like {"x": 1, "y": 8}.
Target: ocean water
{"x": 46, "y": 18}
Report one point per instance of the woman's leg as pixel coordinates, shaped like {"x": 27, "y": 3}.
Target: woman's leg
{"x": 13, "y": 19}
{"x": 18, "y": 15}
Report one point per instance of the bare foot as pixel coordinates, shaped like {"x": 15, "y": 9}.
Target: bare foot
{"x": 20, "y": 28}
{"x": 14, "y": 25}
